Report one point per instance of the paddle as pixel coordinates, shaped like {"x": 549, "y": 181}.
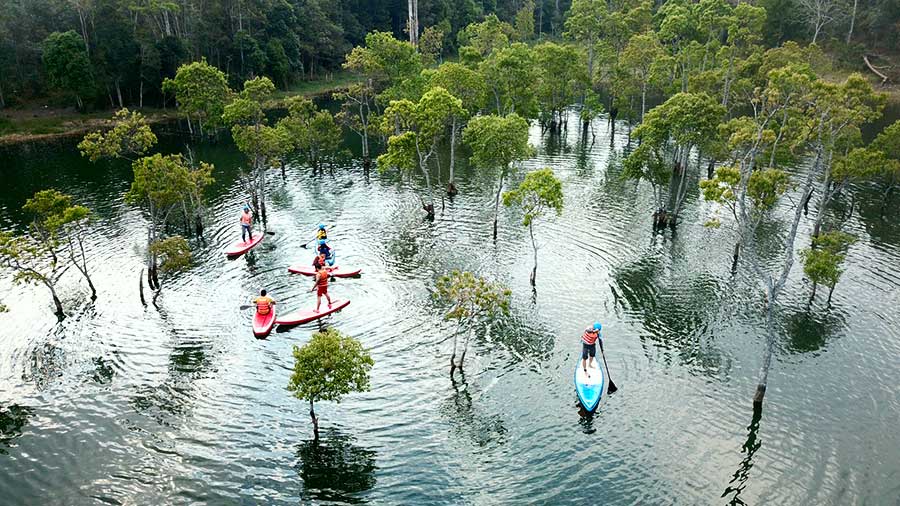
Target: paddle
{"x": 313, "y": 239}
{"x": 612, "y": 386}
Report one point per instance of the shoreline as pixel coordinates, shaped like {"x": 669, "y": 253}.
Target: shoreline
{"x": 36, "y": 125}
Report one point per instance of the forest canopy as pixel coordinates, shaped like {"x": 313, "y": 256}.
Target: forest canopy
{"x": 117, "y": 53}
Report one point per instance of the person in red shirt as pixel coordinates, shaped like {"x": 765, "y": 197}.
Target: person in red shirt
{"x": 246, "y": 224}
{"x": 321, "y": 287}
{"x": 589, "y": 340}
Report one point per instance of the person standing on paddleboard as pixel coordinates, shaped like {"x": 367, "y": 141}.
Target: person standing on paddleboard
{"x": 321, "y": 286}
{"x": 263, "y": 303}
{"x": 246, "y": 224}
{"x": 589, "y": 340}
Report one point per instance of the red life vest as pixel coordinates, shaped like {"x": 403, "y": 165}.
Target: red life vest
{"x": 590, "y": 336}
{"x": 322, "y": 279}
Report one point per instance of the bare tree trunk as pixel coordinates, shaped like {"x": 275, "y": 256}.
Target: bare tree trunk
{"x": 770, "y": 347}
{"x": 315, "y": 420}
{"x": 497, "y": 202}
{"x": 852, "y": 21}
{"x": 533, "y": 247}
{"x": 830, "y": 292}
{"x": 451, "y": 184}
{"x": 141, "y": 288}
{"x": 812, "y": 295}
{"x": 413, "y": 22}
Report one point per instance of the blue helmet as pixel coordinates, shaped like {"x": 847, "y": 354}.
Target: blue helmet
{"x": 597, "y": 326}
{"x": 321, "y": 241}
{"x": 321, "y": 226}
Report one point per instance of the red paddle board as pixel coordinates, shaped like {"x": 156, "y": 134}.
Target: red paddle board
{"x": 308, "y": 315}
{"x": 241, "y": 247}
{"x": 338, "y": 272}
{"x": 263, "y": 323}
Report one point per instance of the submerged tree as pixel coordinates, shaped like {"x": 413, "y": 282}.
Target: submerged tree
{"x": 537, "y": 194}
{"x": 467, "y": 85}
{"x": 264, "y": 145}
{"x": 60, "y": 223}
{"x": 313, "y": 132}
{"x": 162, "y": 183}
{"x": 823, "y": 262}
{"x": 475, "y": 303}
{"x": 31, "y": 262}
{"x": 417, "y": 130}
{"x": 328, "y": 367}
{"x": 498, "y": 142}
{"x": 358, "y": 112}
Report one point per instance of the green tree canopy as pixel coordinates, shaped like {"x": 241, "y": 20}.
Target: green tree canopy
{"x": 328, "y": 367}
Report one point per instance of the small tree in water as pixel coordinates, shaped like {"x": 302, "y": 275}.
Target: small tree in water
{"x": 822, "y": 263}
{"x": 60, "y": 223}
{"x": 540, "y": 192}
{"x": 474, "y": 301}
{"x": 328, "y": 367}
{"x": 32, "y": 262}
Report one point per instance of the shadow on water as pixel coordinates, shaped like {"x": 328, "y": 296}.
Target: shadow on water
{"x": 12, "y": 419}
{"x": 676, "y": 314}
{"x": 482, "y": 430}
{"x": 585, "y": 417}
{"x": 334, "y": 469}
{"x": 741, "y": 476}
{"x": 810, "y": 329}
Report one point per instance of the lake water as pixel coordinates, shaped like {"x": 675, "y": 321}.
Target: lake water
{"x": 178, "y": 403}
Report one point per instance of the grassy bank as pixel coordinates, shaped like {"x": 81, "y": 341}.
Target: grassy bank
{"x": 37, "y": 122}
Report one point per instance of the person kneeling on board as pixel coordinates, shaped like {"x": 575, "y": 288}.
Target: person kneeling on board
{"x": 589, "y": 340}
{"x": 263, "y": 303}
{"x": 246, "y": 224}
{"x": 321, "y": 287}
{"x": 324, "y": 248}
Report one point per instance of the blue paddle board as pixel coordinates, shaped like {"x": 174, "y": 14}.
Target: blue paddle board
{"x": 589, "y": 386}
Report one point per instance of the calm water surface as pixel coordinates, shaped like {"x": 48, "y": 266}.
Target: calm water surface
{"x": 177, "y": 403}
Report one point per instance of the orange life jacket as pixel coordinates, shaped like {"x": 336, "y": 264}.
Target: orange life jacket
{"x": 322, "y": 279}
{"x": 590, "y": 336}
{"x": 263, "y": 305}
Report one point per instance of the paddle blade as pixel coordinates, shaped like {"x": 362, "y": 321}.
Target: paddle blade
{"x": 612, "y": 387}
{"x": 245, "y": 307}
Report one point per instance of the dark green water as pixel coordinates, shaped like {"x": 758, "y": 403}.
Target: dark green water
{"x": 179, "y": 404}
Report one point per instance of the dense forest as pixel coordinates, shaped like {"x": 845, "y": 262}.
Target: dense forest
{"x": 115, "y": 53}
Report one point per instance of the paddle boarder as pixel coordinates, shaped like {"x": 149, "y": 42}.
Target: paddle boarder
{"x": 589, "y": 340}
{"x": 322, "y": 233}
{"x": 321, "y": 286}
{"x": 246, "y": 224}
{"x": 263, "y": 303}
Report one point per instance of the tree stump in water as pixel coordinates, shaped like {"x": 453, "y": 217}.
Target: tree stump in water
{"x": 429, "y": 209}
{"x": 661, "y": 219}
{"x": 451, "y": 189}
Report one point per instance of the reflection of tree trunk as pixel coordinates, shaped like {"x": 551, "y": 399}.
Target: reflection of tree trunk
{"x": 315, "y": 420}
{"x": 735, "y": 256}
{"x": 751, "y": 446}
{"x": 56, "y": 302}
{"x": 830, "y": 292}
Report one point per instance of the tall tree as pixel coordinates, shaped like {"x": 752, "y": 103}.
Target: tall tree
{"x": 539, "y": 193}
{"x": 264, "y": 145}
{"x": 201, "y": 91}
{"x": 68, "y": 66}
